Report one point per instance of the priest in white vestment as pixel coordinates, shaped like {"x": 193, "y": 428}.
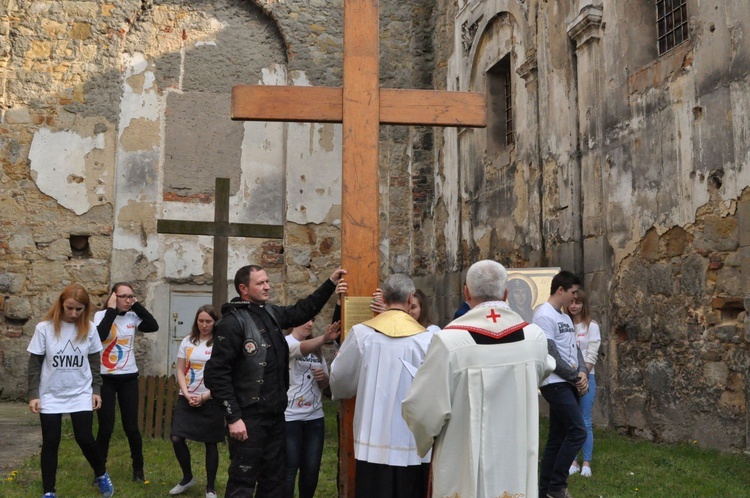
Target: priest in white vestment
{"x": 377, "y": 363}
{"x": 475, "y": 397}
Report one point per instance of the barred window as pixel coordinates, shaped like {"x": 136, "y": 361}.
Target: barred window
{"x": 500, "y": 100}
{"x": 508, "y": 110}
{"x": 671, "y": 24}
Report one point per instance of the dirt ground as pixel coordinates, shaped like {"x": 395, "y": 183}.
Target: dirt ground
{"x": 20, "y": 436}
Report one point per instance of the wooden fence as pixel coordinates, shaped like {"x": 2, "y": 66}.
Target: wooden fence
{"x": 158, "y": 396}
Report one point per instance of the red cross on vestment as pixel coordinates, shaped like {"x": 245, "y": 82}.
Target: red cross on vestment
{"x": 494, "y": 316}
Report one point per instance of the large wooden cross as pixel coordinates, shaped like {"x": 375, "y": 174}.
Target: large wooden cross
{"x": 221, "y": 229}
{"x": 362, "y": 106}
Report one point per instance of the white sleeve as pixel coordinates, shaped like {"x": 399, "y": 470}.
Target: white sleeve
{"x": 38, "y": 344}
{"x": 595, "y": 340}
{"x": 427, "y": 407}
{"x": 345, "y": 368}
{"x": 95, "y": 344}
{"x": 182, "y": 351}
{"x": 294, "y": 347}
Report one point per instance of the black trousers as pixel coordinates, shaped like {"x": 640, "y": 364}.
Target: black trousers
{"x": 259, "y": 463}
{"x": 376, "y": 480}
{"x": 51, "y": 435}
{"x": 124, "y": 389}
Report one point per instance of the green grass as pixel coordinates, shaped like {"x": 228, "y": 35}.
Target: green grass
{"x": 622, "y": 468}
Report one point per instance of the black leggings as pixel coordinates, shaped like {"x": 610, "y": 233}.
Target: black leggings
{"x": 124, "y": 388}
{"x": 182, "y": 452}
{"x": 51, "y": 434}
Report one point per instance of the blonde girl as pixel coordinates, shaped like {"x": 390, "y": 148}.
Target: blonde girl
{"x": 589, "y": 339}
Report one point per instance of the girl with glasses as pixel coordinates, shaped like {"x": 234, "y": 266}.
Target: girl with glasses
{"x": 117, "y": 326}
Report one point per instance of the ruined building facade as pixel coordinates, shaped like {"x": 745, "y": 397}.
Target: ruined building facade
{"x": 617, "y": 147}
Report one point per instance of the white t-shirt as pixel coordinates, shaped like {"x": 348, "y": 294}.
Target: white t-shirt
{"x": 559, "y": 328}
{"x": 195, "y": 356}
{"x": 65, "y": 383}
{"x": 118, "y": 356}
{"x": 590, "y": 338}
{"x": 304, "y": 399}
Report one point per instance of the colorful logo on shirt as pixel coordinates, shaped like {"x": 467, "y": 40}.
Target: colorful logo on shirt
{"x": 302, "y": 403}
{"x": 190, "y": 375}
{"x": 192, "y": 369}
{"x": 115, "y": 352}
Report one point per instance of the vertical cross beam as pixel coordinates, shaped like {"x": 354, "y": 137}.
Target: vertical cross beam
{"x": 221, "y": 244}
{"x": 359, "y": 204}
{"x": 361, "y": 133}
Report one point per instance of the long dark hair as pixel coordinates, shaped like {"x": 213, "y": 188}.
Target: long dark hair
{"x": 195, "y": 333}
{"x": 424, "y": 308}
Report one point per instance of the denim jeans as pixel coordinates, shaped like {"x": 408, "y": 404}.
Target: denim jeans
{"x": 304, "y": 450}
{"x": 587, "y": 405}
{"x": 566, "y": 435}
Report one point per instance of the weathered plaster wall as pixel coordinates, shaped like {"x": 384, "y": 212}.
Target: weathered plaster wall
{"x": 115, "y": 115}
{"x": 638, "y": 181}
{"x": 675, "y": 176}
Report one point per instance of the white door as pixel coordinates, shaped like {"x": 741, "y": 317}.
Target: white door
{"x": 182, "y": 306}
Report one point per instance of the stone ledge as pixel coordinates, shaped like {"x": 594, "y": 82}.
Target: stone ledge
{"x": 586, "y": 27}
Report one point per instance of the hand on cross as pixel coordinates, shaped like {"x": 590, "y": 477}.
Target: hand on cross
{"x": 377, "y": 305}
{"x": 338, "y": 275}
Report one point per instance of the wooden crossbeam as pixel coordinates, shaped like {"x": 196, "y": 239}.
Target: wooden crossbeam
{"x": 325, "y": 105}
{"x": 220, "y": 229}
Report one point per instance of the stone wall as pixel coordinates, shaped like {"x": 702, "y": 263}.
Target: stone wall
{"x": 115, "y": 114}
{"x": 631, "y": 169}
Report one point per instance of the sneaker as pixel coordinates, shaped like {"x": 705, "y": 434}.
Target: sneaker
{"x": 138, "y": 475}
{"x": 52, "y": 495}
{"x": 559, "y": 493}
{"x": 210, "y": 494}
{"x": 574, "y": 469}
{"x": 181, "y": 488}
{"x": 586, "y": 471}
{"x": 105, "y": 485}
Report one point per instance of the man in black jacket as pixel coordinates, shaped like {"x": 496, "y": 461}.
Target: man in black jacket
{"x": 248, "y": 374}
